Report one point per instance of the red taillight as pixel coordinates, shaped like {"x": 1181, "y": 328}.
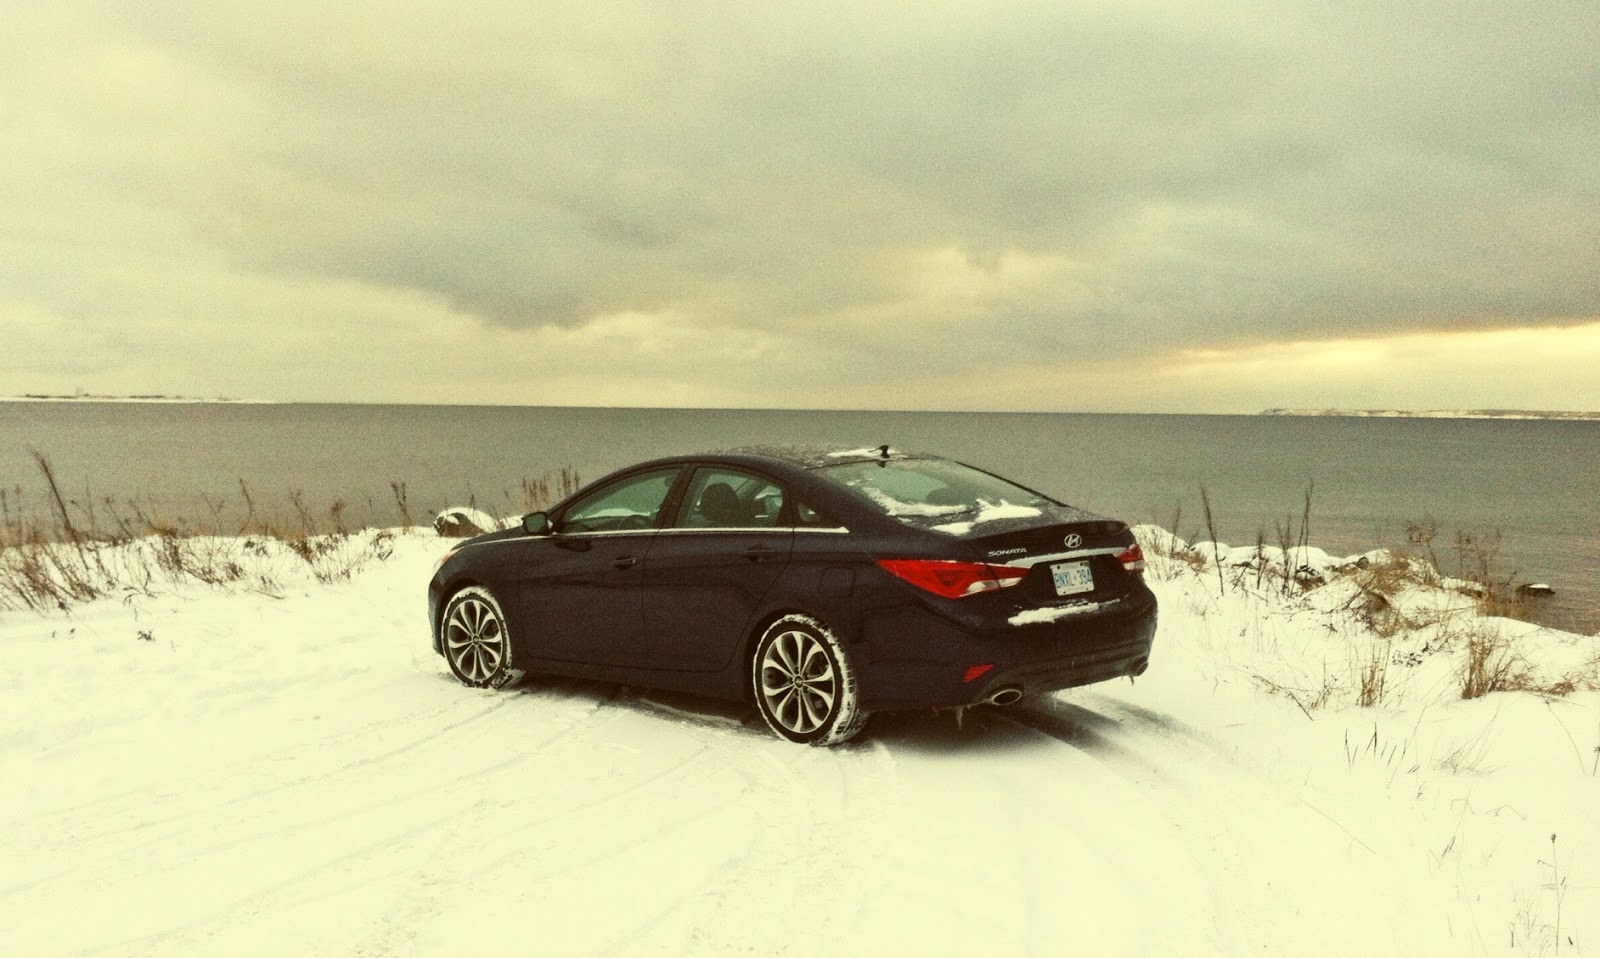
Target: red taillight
{"x": 977, "y": 672}
{"x": 1132, "y": 558}
{"x": 953, "y": 580}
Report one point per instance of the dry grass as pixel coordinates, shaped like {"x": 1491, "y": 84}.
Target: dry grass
{"x": 1491, "y": 666}
{"x": 1308, "y": 699}
{"x": 124, "y": 549}
{"x": 1379, "y": 585}
{"x": 539, "y": 494}
{"x": 1494, "y": 664}
{"x": 1186, "y": 558}
{"x": 44, "y": 575}
{"x": 59, "y": 551}
{"x": 1391, "y": 754}
{"x": 1373, "y": 677}
{"x": 1467, "y": 757}
{"x": 1478, "y": 569}
{"x": 1383, "y": 627}
{"x": 1269, "y": 569}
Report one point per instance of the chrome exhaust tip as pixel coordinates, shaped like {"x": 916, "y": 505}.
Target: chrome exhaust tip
{"x": 1009, "y": 695}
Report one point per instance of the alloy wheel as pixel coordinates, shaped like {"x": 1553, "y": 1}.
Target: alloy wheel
{"x": 799, "y": 682}
{"x": 475, "y": 640}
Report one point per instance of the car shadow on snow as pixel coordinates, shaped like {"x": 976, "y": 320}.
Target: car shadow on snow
{"x": 1031, "y": 725}
{"x": 680, "y": 707}
{"x": 1041, "y": 722}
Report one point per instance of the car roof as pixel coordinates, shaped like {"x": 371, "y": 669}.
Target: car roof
{"x": 814, "y": 456}
{"x": 787, "y": 462}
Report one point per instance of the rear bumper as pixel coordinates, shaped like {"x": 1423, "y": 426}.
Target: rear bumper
{"x": 914, "y": 658}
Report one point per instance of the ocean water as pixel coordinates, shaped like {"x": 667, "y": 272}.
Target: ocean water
{"x": 1534, "y": 484}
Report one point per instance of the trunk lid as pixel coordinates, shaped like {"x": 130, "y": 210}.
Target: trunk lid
{"x": 1072, "y": 559}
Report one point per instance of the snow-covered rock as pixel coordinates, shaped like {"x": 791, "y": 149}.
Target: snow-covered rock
{"x": 459, "y": 522}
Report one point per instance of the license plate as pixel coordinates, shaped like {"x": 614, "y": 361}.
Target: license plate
{"x": 1072, "y": 577}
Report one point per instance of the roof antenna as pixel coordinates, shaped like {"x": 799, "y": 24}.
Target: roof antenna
{"x": 883, "y": 450}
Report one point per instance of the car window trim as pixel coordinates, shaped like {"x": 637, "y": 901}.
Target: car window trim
{"x": 648, "y": 531}
{"x": 746, "y": 530}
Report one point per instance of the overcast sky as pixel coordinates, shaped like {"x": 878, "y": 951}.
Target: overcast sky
{"x": 1053, "y": 205}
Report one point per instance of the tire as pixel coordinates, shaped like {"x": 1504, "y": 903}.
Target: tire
{"x": 475, "y": 640}
{"x": 803, "y": 684}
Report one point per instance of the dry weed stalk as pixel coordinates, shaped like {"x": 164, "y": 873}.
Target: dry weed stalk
{"x": 46, "y": 567}
{"x": 86, "y": 549}
{"x": 1373, "y": 677}
{"x": 1211, "y": 530}
{"x": 1558, "y": 886}
{"x": 539, "y": 494}
{"x": 1306, "y": 699}
{"x": 1492, "y": 665}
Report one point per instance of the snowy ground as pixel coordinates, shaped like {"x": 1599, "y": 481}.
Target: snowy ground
{"x": 196, "y": 773}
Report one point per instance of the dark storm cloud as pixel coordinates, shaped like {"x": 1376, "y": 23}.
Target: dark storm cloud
{"x": 1199, "y": 174}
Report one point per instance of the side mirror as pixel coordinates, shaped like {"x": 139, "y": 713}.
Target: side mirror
{"x": 537, "y": 524}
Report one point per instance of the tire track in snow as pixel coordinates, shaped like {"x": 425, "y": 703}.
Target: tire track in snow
{"x": 240, "y": 827}
{"x": 425, "y": 889}
{"x": 798, "y": 820}
{"x": 501, "y": 846}
{"x": 736, "y": 824}
{"x": 151, "y": 835}
{"x": 1158, "y": 823}
{"x": 1010, "y": 840}
{"x": 230, "y": 785}
{"x": 224, "y": 774}
{"x": 1285, "y": 864}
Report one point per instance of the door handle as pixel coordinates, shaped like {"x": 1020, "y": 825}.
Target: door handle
{"x": 624, "y": 562}
{"x": 757, "y": 553}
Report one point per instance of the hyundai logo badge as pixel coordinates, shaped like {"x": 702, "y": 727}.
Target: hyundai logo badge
{"x": 1074, "y": 541}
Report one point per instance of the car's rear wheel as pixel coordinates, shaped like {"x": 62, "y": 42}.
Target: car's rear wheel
{"x": 476, "y": 642}
{"x": 804, "y": 686}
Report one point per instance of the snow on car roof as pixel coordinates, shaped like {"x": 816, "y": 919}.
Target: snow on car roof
{"x": 814, "y": 455}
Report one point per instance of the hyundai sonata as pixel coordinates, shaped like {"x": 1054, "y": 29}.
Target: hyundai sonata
{"x": 821, "y": 584}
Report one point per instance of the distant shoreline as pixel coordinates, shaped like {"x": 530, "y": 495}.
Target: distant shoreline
{"x": 1439, "y": 413}
{"x": 1530, "y": 414}
{"x": 40, "y": 397}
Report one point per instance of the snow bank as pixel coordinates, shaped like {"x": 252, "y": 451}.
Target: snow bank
{"x": 191, "y": 771}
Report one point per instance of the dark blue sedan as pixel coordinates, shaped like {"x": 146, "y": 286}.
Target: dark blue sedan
{"x": 822, "y": 584}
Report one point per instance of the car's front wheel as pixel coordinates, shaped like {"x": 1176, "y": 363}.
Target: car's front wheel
{"x": 804, "y": 686}
{"x": 476, "y": 642}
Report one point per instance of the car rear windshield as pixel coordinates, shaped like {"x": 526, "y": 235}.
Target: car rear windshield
{"x": 918, "y": 490}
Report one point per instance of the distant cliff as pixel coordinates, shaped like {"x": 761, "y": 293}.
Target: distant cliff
{"x": 1439, "y": 413}
{"x": 150, "y": 398}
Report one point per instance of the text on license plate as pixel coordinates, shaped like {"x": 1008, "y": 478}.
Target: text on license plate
{"x": 1072, "y": 577}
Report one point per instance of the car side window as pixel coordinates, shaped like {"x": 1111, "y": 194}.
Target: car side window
{"x": 807, "y": 517}
{"x": 628, "y": 504}
{"x": 720, "y": 498}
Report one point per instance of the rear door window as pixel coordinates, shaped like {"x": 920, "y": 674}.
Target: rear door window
{"x": 722, "y": 498}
